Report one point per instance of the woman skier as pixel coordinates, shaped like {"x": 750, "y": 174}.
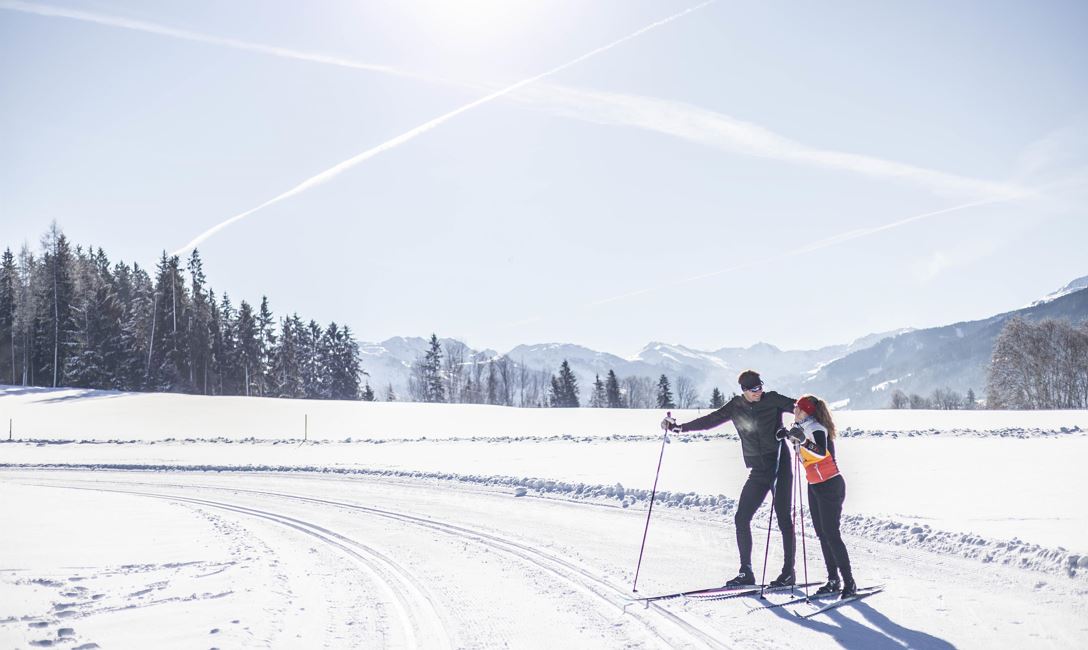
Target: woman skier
{"x": 813, "y": 431}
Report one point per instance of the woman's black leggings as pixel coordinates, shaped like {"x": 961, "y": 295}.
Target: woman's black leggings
{"x": 825, "y": 501}
{"x": 753, "y": 493}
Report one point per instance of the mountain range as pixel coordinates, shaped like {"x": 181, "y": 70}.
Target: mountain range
{"x": 860, "y": 374}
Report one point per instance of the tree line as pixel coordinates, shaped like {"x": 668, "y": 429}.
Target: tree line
{"x": 941, "y": 399}
{"x": 70, "y": 317}
{"x": 449, "y": 373}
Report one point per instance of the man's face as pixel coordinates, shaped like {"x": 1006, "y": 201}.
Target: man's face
{"x": 753, "y": 394}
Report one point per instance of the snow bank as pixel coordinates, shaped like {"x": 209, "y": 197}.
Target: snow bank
{"x": 79, "y": 414}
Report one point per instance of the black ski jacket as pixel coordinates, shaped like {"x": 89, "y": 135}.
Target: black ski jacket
{"x": 756, "y": 422}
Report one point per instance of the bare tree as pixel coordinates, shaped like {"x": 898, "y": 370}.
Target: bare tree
{"x": 919, "y": 402}
{"x": 1041, "y": 365}
{"x": 946, "y": 399}
{"x": 899, "y": 400}
{"x": 522, "y": 376}
{"x": 505, "y": 388}
{"x": 639, "y": 392}
{"x": 454, "y": 367}
{"x": 686, "y": 395}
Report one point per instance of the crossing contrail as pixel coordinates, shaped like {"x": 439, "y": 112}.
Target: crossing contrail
{"x": 675, "y": 119}
{"x": 340, "y": 168}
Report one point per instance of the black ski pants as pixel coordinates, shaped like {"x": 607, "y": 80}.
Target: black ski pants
{"x": 762, "y": 480}
{"x": 825, "y": 501}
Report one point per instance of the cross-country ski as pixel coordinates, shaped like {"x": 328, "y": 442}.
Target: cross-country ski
{"x": 849, "y": 600}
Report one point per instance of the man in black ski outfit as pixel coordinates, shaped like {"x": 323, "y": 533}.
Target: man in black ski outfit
{"x": 757, "y": 415}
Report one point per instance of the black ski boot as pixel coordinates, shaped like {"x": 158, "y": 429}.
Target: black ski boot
{"x": 849, "y": 588}
{"x": 744, "y": 579}
{"x": 785, "y": 579}
{"x": 833, "y": 586}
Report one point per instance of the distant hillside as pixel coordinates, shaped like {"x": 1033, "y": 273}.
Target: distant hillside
{"x": 954, "y": 356}
{"x": 390, "y": 362}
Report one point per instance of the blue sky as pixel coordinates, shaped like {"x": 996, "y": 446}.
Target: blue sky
{"x": 745, "y": 172}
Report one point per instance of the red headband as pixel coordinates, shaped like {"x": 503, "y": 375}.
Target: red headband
{"x": 807, "y": 404}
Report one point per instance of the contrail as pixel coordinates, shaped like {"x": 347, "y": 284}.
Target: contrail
{"x": 336, "y": 170}
{"x": 186, "y": 35}
{"x": 675, "y": 119}
{"x": 814, "y": 246}
{"x": 711, "y": 128}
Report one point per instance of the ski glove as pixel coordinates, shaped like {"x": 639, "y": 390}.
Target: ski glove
{"x": 797, "y": 434}
{"x": 669, "y": 424}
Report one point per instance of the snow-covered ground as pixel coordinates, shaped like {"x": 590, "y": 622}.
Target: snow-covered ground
{"x": 180, "y": 521}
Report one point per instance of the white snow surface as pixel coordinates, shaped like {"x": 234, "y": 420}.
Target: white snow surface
{"x": 149, "y": 520}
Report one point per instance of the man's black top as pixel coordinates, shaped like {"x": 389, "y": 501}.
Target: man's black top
{"x": 756, "y": 422}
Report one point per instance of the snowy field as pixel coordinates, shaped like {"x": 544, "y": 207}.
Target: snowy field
{"x": 136, "y": 520}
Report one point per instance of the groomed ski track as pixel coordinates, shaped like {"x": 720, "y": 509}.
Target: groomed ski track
{"x": 445, "y": 564}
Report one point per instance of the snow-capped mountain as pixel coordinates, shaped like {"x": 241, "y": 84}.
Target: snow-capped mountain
{"x": 389, "y": 362}
{"x": 861, "y": 374}
{"x": 953, "y": 356}
{"x": 1075, "y": 285}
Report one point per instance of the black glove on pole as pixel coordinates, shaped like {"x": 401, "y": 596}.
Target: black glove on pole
{"x": 653, "y": 493}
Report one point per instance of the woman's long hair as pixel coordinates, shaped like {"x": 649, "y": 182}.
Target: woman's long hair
{"x": 822, "y": 414}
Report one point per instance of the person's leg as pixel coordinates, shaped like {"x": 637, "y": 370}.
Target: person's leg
{"x": 783, "y": 500}
{"x": 816, "y": 507}
{"x": 832, "y": 509}
{"x": 751, "y": 497}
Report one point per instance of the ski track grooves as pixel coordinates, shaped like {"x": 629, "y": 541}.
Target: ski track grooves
{"x": 563, "y": 569}
{"x": 405, "y": 593}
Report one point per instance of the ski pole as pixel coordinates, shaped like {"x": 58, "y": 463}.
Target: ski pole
{"x": 653, "y": 493}
{"x": 801, "y": 505}
{"x": 770, "y": 518}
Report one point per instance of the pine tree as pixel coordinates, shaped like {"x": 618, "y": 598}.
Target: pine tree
{"x": 368, "y": 393}
{"x": 249, "y": 348}
{"x": 390, "y": 394}
{"x": 613, "y": 397}
{"x": 53, "y": 325}
{"x": 169, "y": 367}
{"x": 565, "y": 388}
{"x": 8, "y": 283}
{"x": 971, "y": 401}
{"x": 266, "y": 347}
{"x": 717, "y": 400}
{"x": 599, "y": 399}
{"x": 96, "y": 360}
{"x": 226, "y": 358}
{"x": 199, "y": 328}
{"x": 312, "y": 369}
{"x": 435, "y": 390}
{"x": 285, "y": 377}
{"x": 340, "y": 354}
{"x": 664, "y": 394}
{"x": 136, "y": 296}
{"x": 25, "y": 316}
